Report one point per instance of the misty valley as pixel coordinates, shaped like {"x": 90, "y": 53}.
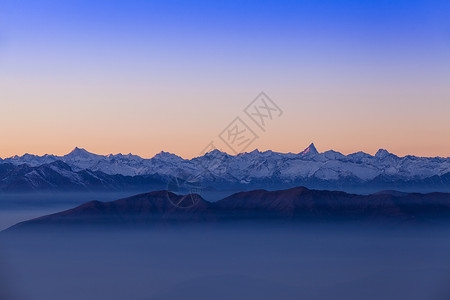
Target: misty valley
{"x": 267, "y": 257}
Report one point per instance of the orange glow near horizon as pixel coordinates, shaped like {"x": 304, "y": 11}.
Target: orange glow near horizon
{"x": 146, "y": 127}
{"x": 186, "y": 132}
{"x": 145, "y": 121}
{"x": 162, "y": 80}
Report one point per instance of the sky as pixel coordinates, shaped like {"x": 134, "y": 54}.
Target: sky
{"x": 145, "y": 76}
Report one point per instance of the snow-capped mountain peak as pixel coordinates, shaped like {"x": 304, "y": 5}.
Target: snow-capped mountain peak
{"x": 214, "y": 153}
{"x": 80, "y": 153}
{"x": 163, "y": 155}
{"x": 329, "y": 169}
{"x": 383, "y": 153}
{"x": 310, "y": 150}
{"x": 30, "y": 159}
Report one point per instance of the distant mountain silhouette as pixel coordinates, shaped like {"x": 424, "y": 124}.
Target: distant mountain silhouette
{"x": 299, "y": 203}
{"x": 359, "y": 172}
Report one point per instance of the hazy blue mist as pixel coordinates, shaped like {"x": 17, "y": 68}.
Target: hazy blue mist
{"x": 16, "y": 207}
{"x": 226, "y": 261}
{"x": 234, "y": 261}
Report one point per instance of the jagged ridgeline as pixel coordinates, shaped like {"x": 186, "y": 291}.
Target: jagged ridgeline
{"x": 81, "y": 170}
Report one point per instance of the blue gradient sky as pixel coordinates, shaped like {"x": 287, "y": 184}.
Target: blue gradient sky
{"x": 146, "y": 76}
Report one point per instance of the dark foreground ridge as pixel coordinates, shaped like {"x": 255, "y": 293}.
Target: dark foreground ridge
{"x": 299, "y": 204}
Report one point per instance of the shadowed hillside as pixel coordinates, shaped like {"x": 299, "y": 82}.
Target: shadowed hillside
{"x": 299, "y": 203}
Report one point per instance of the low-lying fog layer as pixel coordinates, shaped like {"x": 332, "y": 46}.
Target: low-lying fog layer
{"x": 16, "y": 208}
{"x": 232, "y": 261}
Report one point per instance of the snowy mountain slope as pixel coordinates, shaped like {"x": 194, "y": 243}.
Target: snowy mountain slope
{"x": 217, "y": 169}
{"x": 59, "y": 176}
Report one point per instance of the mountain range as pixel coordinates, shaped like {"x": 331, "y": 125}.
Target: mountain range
{"x": 81, "y": 170}
{"x": 297, "y": 203}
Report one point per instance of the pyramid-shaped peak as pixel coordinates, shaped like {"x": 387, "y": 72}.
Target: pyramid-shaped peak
{"x": 310, "y": 150}
{"x": 80, "y": 152}
{"x": 256, "y": 151}
{"x": 382, "y": 153}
